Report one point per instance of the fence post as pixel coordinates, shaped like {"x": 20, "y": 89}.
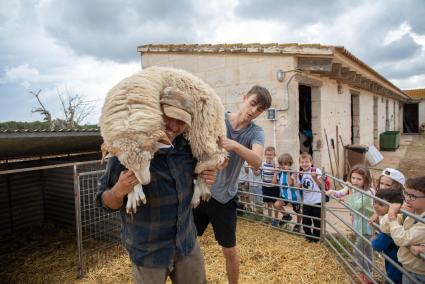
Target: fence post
{"x": 323, "y": 207}
{"x": 78, "y": 225}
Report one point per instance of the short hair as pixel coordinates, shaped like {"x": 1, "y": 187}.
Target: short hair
{"x": 364, "y": 172}
{"x": 285, "y": 159}
{"x": 264, "y": 99}
{"x": 269, "y": 148}
{"x": 390, "y": 195}
{"x": 305, "y": 155}
{"x": 416, "y": 183}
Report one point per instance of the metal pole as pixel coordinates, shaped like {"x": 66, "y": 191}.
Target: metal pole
{"x": 323, "y": 208}
{"x": 78, "y": 226}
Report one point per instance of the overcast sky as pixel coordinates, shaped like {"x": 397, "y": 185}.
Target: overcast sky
{"x": 86, "y": 47}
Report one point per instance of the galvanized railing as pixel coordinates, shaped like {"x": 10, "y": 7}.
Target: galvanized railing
{"x": 354, "y": 259}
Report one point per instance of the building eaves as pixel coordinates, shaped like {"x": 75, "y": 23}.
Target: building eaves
{"x": 416, "y": 93}
{"x": 314, "y": 50}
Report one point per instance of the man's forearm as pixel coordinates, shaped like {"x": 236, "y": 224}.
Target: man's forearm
{"x": 249, "y": 155}
{"x": 112, "y": 199}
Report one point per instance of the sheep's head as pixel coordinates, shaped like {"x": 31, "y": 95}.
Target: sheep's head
{"x": 135, "y": 157}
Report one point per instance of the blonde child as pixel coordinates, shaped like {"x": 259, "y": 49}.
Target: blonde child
{"x": 310, "y": 178}
{"x": 410, "y": 235}
{"x": 270, "y": 192}
{"x": 360, "y": 177}
{"x": 285, "y": 180}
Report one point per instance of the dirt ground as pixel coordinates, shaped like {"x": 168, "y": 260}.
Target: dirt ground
{"x": 413, "y": 162}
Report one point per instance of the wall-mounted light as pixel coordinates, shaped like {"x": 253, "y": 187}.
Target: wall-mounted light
{"x": 280, "y": 75}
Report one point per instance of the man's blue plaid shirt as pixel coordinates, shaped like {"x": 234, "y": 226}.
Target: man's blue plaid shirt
{"x": 163, "y": 228}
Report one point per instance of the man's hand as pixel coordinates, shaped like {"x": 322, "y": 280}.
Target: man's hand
{"x": 209, "y": 175}
{"x": 393, "y": 211}
{"x": 227, "y": 144}
{"x": 125, "y": 184}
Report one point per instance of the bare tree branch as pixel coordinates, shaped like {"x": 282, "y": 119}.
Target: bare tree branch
{"x": 47, "y": 115}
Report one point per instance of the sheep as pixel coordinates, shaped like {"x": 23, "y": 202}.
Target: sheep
{"x": 132, "y": 126}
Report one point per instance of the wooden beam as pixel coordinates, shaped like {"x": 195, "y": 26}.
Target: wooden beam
{"x": 322, "y": 64}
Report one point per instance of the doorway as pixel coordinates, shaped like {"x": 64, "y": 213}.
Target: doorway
{"x": 375, "y": 121}
{"x": 411, "y": 118}
{"x": 304, "y": 125}
{"x": 355, "y": 118}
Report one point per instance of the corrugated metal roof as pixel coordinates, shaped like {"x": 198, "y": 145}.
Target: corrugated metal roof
{"x": 269, "y": 48}
{"x": 416, "y": 93}
{"x": 47, "y": 130}
{"x": 27, "y": 144}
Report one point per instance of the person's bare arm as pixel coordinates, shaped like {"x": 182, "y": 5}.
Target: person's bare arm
{"x": 113, "y": 197}
{"x": 253, "y": 156}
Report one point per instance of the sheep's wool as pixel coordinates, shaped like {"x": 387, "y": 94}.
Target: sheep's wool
{"x": 132, "y": 113}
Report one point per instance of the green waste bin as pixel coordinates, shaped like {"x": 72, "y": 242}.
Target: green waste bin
{"x": 389, "y": 140}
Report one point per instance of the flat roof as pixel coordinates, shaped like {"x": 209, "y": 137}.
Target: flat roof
{"x": 21, "y": 144}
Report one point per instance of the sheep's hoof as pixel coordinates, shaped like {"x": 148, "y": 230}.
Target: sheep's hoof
{"x": 194, "y": 203}
{"x": 206, "y": 196}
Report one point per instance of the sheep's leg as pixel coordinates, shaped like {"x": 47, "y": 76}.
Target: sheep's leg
{"x": 134, "y": 198}
{"x": 201, "y": 190}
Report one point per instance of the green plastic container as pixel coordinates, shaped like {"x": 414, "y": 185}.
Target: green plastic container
{"x": 389, "y": 140}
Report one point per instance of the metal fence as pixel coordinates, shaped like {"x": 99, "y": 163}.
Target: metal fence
{"x": 98, "y": 231}
{"x": 353, "y": 247}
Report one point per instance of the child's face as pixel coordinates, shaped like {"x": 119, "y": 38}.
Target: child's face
{"x": 305, "y": 164}
{"x": 385, "y": 182}
{"x": 380, "y": 208}
{"x": 269, "y": 156}
{"x": 357, "y": 180}
{"x": 285, "y": 166}
{"x": 415, "y": 199}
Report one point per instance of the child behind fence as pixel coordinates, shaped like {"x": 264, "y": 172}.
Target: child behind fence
{"x": 360, "y": 177}
{"x": 286, "y": 179}
{"x": 383, "y": 242}
{"x": 270, "y": 192}
{"x": 310, "y": 178}
{"x": 410, "y": 234}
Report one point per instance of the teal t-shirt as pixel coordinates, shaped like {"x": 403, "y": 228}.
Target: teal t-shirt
{"x": 225, "y": 186}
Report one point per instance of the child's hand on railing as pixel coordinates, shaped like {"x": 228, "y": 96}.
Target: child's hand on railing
{"x": 408, "y": 208}
{"x": 393, "y": 211}
{"x": 373, "y": 218}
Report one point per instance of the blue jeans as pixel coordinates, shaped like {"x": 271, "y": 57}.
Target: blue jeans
{"x": 418, "y": 277}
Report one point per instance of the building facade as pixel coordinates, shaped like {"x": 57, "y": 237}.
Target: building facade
{"x": 317, "y": 91}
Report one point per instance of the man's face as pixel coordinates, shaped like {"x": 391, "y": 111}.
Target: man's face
{"x": 250, "y": 109}
{"x": 174, "y": 127}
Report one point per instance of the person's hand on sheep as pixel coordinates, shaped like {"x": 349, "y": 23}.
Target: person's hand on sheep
{"x": 126, "y": 182}
{"x": 209, "y": 175}
{"x": 227, "y": 144}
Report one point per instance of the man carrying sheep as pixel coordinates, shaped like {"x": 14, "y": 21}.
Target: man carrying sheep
{"x": 244, "y": 142}
{"x": 161, "y": 236}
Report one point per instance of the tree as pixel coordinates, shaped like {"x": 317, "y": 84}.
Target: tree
{"x": 74, "y": 107}
{"x": 42, "y": 110}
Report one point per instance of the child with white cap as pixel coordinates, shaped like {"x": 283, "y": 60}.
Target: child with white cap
{"x": 389, "y": 178}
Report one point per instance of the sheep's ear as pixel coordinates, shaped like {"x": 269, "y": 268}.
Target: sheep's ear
{"x": 204, "y": 98}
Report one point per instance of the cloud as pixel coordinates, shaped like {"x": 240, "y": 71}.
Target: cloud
{"x": 114, "y": 29}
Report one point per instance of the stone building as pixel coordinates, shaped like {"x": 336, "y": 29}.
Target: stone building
{"x": 315, "y": 88}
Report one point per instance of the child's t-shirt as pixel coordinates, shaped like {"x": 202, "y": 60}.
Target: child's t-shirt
{"x": 267, "y": 173}
{"x": 288, "y": 194}
{"x": 312, "y": 196}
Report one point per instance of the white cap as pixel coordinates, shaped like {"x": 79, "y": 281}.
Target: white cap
{"x": 394, "y": 175}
